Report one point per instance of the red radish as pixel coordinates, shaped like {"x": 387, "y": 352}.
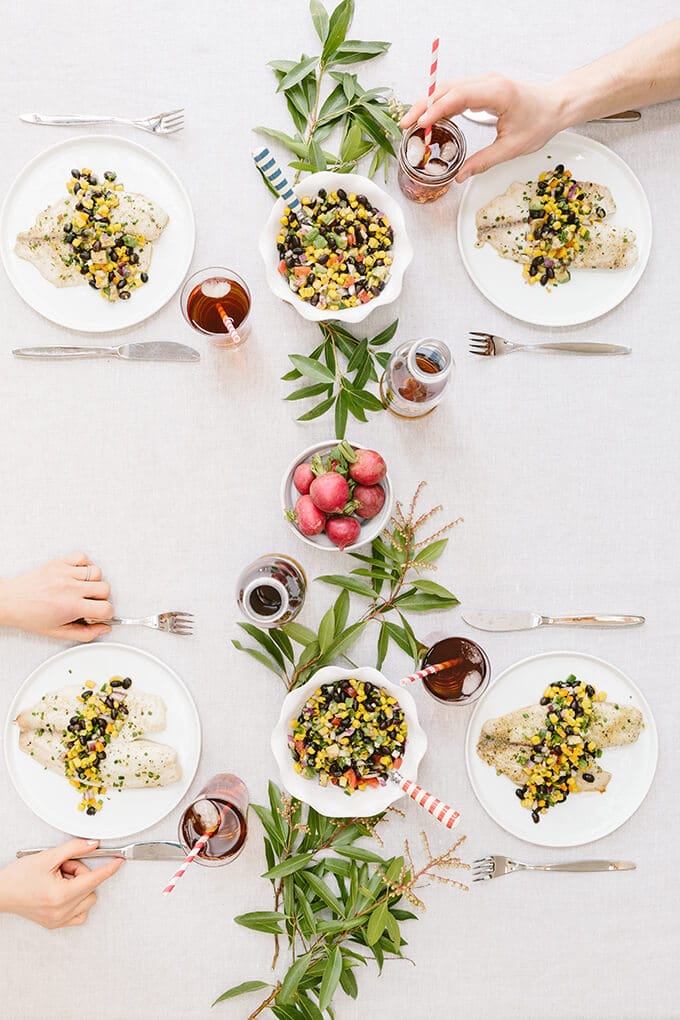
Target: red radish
{"x": 303, "y": 476}
{"x": 343, "y": 531}
{"x": 369, "y": 468}
{"x": 310, "y": 520}
{"x": 371, "y": 499}
{"x": 329, "y": 492}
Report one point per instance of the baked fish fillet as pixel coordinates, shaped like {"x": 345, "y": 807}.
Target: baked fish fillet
{"x": 146, "y": 713}
{"x": 129, "y": 764}
{"x": 503, "y": 223}
{"x": 611, "y": 725}
{"x": 510, "y": 759}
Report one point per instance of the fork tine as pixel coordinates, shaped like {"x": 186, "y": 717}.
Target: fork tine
{"x": 183, "y": 616}
{"x": 477, "y": 333}
{"x": 170, "y": 122}
{"x": 171, "y": 130}
{"x": 171, "y": 113}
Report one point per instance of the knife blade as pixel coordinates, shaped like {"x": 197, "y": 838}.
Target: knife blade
{"x": 148, "y": 350}
{"x": 508, "y": 621}
{"x": 158, "y": 850}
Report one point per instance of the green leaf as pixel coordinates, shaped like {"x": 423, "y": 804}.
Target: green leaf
{"x": 308, "y": 391}
{"x": 271, "y": 824}
{"x": 335, "y": 103}
{"x": 337, "y": 28}
{"x": 383, "y": 641}
{"x": 312, "y": 369}
{"x": 374, "y": 131}
{"x": 348, "y": 983}
{"x": 359, "y": 853}
{"x": 344, "y": 924}
{"x": 283, "y": 641}
{"x": 309, "y": 1008}
{"x": 331, "y": 976}
{"x": 376, "y": 923}
{"x": 399, "y": 635}
{"x": 432, "y": 551}
{"x": 383, "y": 119}
{"x": 327, "y": 630}
{"x": 348, "y": 583}
{"x": 385, "y": 336}
{"x": 359, "y": 355}
{"x": 265, "y": 640}
{"x": 345, "y": 641}
{"x": 341, "y": 611}
{"x": 367, "y": 400}
{"x": 393, "y": 931}
{"x": 319, "y": 887}
{"x": 434, "y": 589}
{"x": 353, "y": 51}
{"x": 287, "y": 1013}
{"x": 260, "y": 656}
{"x": 282, "y": 65}
{"x": 299, "y": 634}
{"x": 421, "y": 602}
{"x": 316, "y": 156}
{"x": 352, "y": 142}
{"x": 297, "y": 73}
{"x": 341, "y": 415}
{"x": 262, "y": 920}
{"x": 245, "y": 986}
{"x": 289, "y": 866}
{"x": 320, "y": 18}
{"x": 288, "y": 992}
{"x": 413, "y": 640}
{"x": 355, "y": 407}
{"x": 317, "y": 411}
{"x": 295, "y": 145}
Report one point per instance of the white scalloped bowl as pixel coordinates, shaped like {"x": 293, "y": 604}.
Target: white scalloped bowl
{"x": 370, "y": 529}
{"x": 402, "y": 250}
{"x": 330, "y": 800}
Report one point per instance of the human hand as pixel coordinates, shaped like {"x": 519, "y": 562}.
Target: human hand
{"x": 528, "y": 116}
{"x": 48, "y": 599}
{"x": 52, "y": 888}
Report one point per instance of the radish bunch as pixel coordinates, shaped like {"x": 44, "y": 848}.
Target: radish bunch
{"x": 337, "y": 492}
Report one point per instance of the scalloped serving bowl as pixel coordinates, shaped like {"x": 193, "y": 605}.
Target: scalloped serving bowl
{"x": 331, "y": 800}
{"x": 370, "y": 529}
{"x": 402, "y": 250}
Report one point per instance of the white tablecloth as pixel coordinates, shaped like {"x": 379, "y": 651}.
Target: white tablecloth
{"x": 566, "y": 473}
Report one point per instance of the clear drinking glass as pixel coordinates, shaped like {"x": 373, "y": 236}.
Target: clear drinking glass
{"x": 211, "y": 299}
{"x": 465, "y": 680}
{"x": 271, "y": 590}
{"x": 423, "y": 185}
{"x": 222, "y": 804}
{"x": 416, "y": 377}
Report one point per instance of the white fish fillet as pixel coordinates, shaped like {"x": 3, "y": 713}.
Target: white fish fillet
{"x": 146, "y": 712}
{"x": 611, "y": 725}
{"x": 509, "y": 760}
{"x": 129, "y": 764}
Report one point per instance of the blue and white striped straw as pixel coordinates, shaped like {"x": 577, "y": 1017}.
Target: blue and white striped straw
{"x": 276, "y": 177}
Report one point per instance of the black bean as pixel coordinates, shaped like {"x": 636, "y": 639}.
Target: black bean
{"x": 535, "y": 817}
{"x": 362, "y": 200}
{"x": 536, "y": 214}
{"x": 314, "y": 299}
{"x": 92, "y": 810}
{"x": 342, "y": 193}
{"x": 85, "y": 695}
{"x": 381, "y": 285}
{"x": 550, "y": 272}
{"x": 134, "y": 258}
{"x": 121, "y": 284}
{"x": 544, "y": 279}
{"x": 588, "y": 777}
{"x": 322, "y": 192}
{"x": 298, "y": 250}
{"x": 69, "y": 238}
{"x": 290, "y": 261}
{"x": 75, "y": 173}
{"x": 124, "y": 295}
{"x": 144, "y": 277}
{"x": 110, "y": 175}
{"x": 84, "y": 270}
{"x": 93, "y": 283}
{"x": 590, "y": 691}
{"x": 559, "y": 169}
{"x": 310, "y": 279}
{"x": 127, "y": 683}
{"x": 92, "y": 179}
{"x": 281, "y": 248}
{"x": 79, "y": 206}
{"x": 322, "y": 259}
{"x": 544, "y": 701}
{"x": 97, "y": 246}
{"x": 518, "y": 793}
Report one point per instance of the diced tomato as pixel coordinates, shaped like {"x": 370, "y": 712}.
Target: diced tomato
{"x": 300, "y": 746}
{"x": 283, "y": 268}
{"x": 364, "y": 296}
{"x": 302, "y": 271}
{"x": 336, "y": 720}
{"x": 351, "y": 692}
{"x": 351, "y": 239}
{"x": 358, "y": 257}
{"x": 397, "y": 763}
{"x": 350, "y": 281}
{"x": 372, "y": 782}
{"x": 351, "y": 777}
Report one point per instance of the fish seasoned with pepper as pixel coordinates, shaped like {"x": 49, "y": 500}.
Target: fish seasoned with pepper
{"x": 350, "y": 734}
{"x": 337, "y": 252}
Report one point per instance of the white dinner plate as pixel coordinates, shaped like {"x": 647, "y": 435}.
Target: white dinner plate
{"x": 590, "y": 292}
{"x": 124, "y": 812}
{"x": 586, "y": 816}
{"x": 42, "y": 182}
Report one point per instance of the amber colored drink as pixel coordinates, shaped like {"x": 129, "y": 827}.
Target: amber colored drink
{"x": 207, "y": 313}
{"x": 220, "y": 809}
{"x": 465, "y": 679}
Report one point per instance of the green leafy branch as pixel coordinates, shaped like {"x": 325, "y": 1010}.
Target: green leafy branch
{"x": 385, "y": 581}
{"x": 365, "y": 118}
{"x": 339, "y": 370}
{"x": 337, "y": 904}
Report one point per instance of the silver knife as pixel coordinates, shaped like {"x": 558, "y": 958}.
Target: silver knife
{"x": 151, "y": 350}
{"x": 157, "y": 851}
{"x": 527, "y": 621}
{"x": 580, "y": 866}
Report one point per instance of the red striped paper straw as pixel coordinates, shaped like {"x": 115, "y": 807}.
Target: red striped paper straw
{"x": 444, "y": 813}
{"x": 189, "y": 859}
{"x": 229, "y": 325}
{"x": 432, "y": 86}
{"x": 429, "y": 670}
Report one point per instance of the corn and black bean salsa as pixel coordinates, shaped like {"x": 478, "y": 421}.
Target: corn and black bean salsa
{"x": 100, "y": 717}
{"x": 338, "y": 252}
{"x": 350, "y": 734}
{"x": 559, "y": 219}
{"x": 103, "y": 248}
{"x": 560, "y": 751}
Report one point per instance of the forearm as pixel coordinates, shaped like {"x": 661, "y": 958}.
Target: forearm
{"x": 5, "y": 603}
{"x": 645, "y": 71}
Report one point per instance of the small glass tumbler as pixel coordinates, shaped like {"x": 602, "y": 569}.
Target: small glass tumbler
{"x": 416, "y": 377}
{"x": 216, "y": 302}
{"x": 220, "y": 808}
{"x": 271, "y": 590}
{"x": 462, "y": 682}
{"x": 421, "y": 184}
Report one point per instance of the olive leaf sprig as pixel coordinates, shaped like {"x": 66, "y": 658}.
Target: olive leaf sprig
{"x": 365, "y": 118}
{"x": 337, "y": 904}
{"x": 340, "y": 370}
{"x": 389, "y": 582}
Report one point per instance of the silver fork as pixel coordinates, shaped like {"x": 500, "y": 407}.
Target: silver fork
{"x": 487, "y": 344}
{"x": 172, "y": 623}
{"x": 160, "y": 124}
{"x": 493, "y": 867}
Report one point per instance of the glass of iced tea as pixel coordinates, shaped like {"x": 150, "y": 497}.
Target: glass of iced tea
{"x": 221, "y": 809}
{"x": 424, "y": 176}
{"x": 465, "y": 679}
{"x": 216, "y": 302}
